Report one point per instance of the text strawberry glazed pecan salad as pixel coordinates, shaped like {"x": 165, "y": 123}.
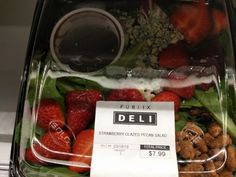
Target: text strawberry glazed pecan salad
{"x": 174, "y": 52}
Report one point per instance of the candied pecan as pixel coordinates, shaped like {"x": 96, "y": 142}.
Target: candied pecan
{"x": 192, "y": 167}
{"x": 198, "y": 153}
{"x": 185, "y": 175}
{"x": 178, "y": 148}
{"x": 192, "y": 126}
{"x": 218, "y": 153}
{"x": 202, "y": 157}
{"x": 201, "y": 145}
{"x": 215, "y": 129}
{"x": 208, "y": 139}
{"x": 219, "y": 165}
{"x": 231, "y": 158}
{"x": 195, "y": 112}
{"x": 178, "y": 136}
{"x": 218, "y": 142}
{"x": 210, "y": 166}
{"x": 226, "y": 173}
{"x": 187, "y": 150}
{"x": 221, "y": 141}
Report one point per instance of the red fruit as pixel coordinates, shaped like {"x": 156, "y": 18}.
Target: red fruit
{"x": 193, "y": 20}
{"x": 87, "y": 96}
{"x": 219, "y": 21}
{"x": 205, "y": 87}
{"x": 167, "y": 96}
{"x": 79, "y": 115}
{"x": 185, "y": 92}
{"x": 125, "y": 95}
{"x": 31, "y": 158}
{"x": 52, "y": 145}
{"x": 49, "y": 111}
{"x": 173, "y": 56}
{"x": 83, "y": 147}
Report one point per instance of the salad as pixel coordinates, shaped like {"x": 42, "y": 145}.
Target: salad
{"x": 175, "y": 51}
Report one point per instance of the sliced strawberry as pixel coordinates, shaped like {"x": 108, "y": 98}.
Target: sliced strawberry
{"x": 167, "y": 96}
{"x": 79, "y": 115}
{"x": 50, "y": 111}
{"x": 219, "y": 21}
{"x": 193, "y": 20}
{"x": 87, "y": 96}
{"x": 185, "y": 92}
{"x": 173, "y": 56}
{"x": 125, "y": 95}
{"x": 52, "y": 145}
{"x": 83, "y": 147}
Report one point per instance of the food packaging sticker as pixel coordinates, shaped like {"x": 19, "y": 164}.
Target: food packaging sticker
{"x": 134, "y": 139}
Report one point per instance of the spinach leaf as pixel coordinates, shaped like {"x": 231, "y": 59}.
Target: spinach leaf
{"x": 49, "y": 90}
{"x": 210, "y": 100}
{"x": 231, "y": 101}
{"x": 59, "y": 171}
{"x": 225, "y": 41}
{"x": 129, "y": 57}
{"x": 180, "y": 124}
{"x": 38, "y": 171}
{"x": 190, "y": 103}
{"x": 39, "y": 132}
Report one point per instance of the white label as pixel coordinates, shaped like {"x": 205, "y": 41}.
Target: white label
{"x": 134, "y": 139}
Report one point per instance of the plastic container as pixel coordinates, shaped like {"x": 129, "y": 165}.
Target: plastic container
{"x": 173, "y": 51}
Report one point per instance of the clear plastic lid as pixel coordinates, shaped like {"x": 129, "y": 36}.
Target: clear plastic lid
{"x": 140, "y": 50}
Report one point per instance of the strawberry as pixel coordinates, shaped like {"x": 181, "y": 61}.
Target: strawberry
{"x": 206, "y": 87}
{"x": 49, "y": 111}
{"x": 173, "y": 56}
{"x": 125, "y": 95}
{"x": 185, "y": 92}
{"x": 83, "y": 147}
{"x": 31, "y": 158}
{"x": 219, "y": 21}
{"x": 167, "y": 96}
{"x": 87, "y": 96}
{"x": 193, "y": 20}
{"x": 81, "y": 108}
{"x": 79, "y": 115}
{"x": 51, "y": 145}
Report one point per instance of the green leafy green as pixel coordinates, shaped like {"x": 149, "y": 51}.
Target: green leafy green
{"x": 224, "y": 39}
{"x": 81, "y": 84}
{"x": 59, "y": 171}
{"x": 63, "y": 86}
{"x": 180, "y": 124}
{"x": 38, "y": 171}
{"x": 210, "y": 100}
{"x": 49, "y": 90}
{"x": 39, "y": 132}
{"x": 129, "y": 57}
{"x": 75, "y": 83}
{"x": 232, "y": 102}
{"x": 31, "y": 92}
{"x": 190, "y": 103}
